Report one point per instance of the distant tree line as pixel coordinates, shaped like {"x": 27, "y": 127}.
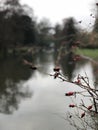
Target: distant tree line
{"x": 19, "y": 27}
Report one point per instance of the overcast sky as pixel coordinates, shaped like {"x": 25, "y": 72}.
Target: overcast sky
{"x": 57, "y": 10}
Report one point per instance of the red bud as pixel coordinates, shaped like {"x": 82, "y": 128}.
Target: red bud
{"x": 78, "y": 81}
{"x": 83, "y": 114}
{"x": 89, "y": 107}
{"x": 72, "y": 105}
{"x": 69, "y": 93}
{"x": 80, "y": 21}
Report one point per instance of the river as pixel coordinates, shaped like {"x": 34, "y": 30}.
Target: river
{"x": 34, "y": 100}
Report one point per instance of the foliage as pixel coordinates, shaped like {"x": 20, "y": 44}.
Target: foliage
{"x": 70, "y": 32}
{"x": 57, "y": 35}
{"x": 44, "y": 35}
{"x": 16, "y": 27}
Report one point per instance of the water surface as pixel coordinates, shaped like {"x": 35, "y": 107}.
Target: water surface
{"x": 33, "y": 100}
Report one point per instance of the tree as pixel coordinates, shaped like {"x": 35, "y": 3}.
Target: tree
{"x": 95, "y": 27}
{"x": 57, "y": 35}
{"x": 44, "y": 33}
{"x": 16, "y": 26}
{"x": 69, "y": 32}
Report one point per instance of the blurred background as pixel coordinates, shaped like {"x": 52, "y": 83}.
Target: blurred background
{"x": 30, "y": 47}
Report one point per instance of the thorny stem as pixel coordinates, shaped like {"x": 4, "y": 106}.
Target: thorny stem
{"x": 87, "y": 88}
{"x": 91, "y": 110}
{"x": 95, "y": 105}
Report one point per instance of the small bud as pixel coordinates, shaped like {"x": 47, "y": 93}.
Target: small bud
{"x": 70, "y": 116}
{"x": 78, "y": 81}
{"x": 33, "y": 67}
{"x": 83, "y": 114}
{"x": 89, "y": 107}
{"x": 72, "y": 105}
{"x": 57, "y": 69}
{"x": 69, "y": 94}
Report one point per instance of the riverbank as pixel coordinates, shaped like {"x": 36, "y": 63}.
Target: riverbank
{"x": 92, "y": 53}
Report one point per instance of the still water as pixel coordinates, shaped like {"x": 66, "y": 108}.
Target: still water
{"x": 33, "y": 100}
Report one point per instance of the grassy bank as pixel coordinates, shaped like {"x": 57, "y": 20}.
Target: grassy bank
{"x": 93, "y": 53}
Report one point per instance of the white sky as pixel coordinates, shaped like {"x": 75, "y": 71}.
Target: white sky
{"x": 57, "y": 10}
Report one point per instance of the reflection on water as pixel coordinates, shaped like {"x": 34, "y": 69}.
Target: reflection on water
{"x": 34, "y": 100}
{"x": 11, "y": 92}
